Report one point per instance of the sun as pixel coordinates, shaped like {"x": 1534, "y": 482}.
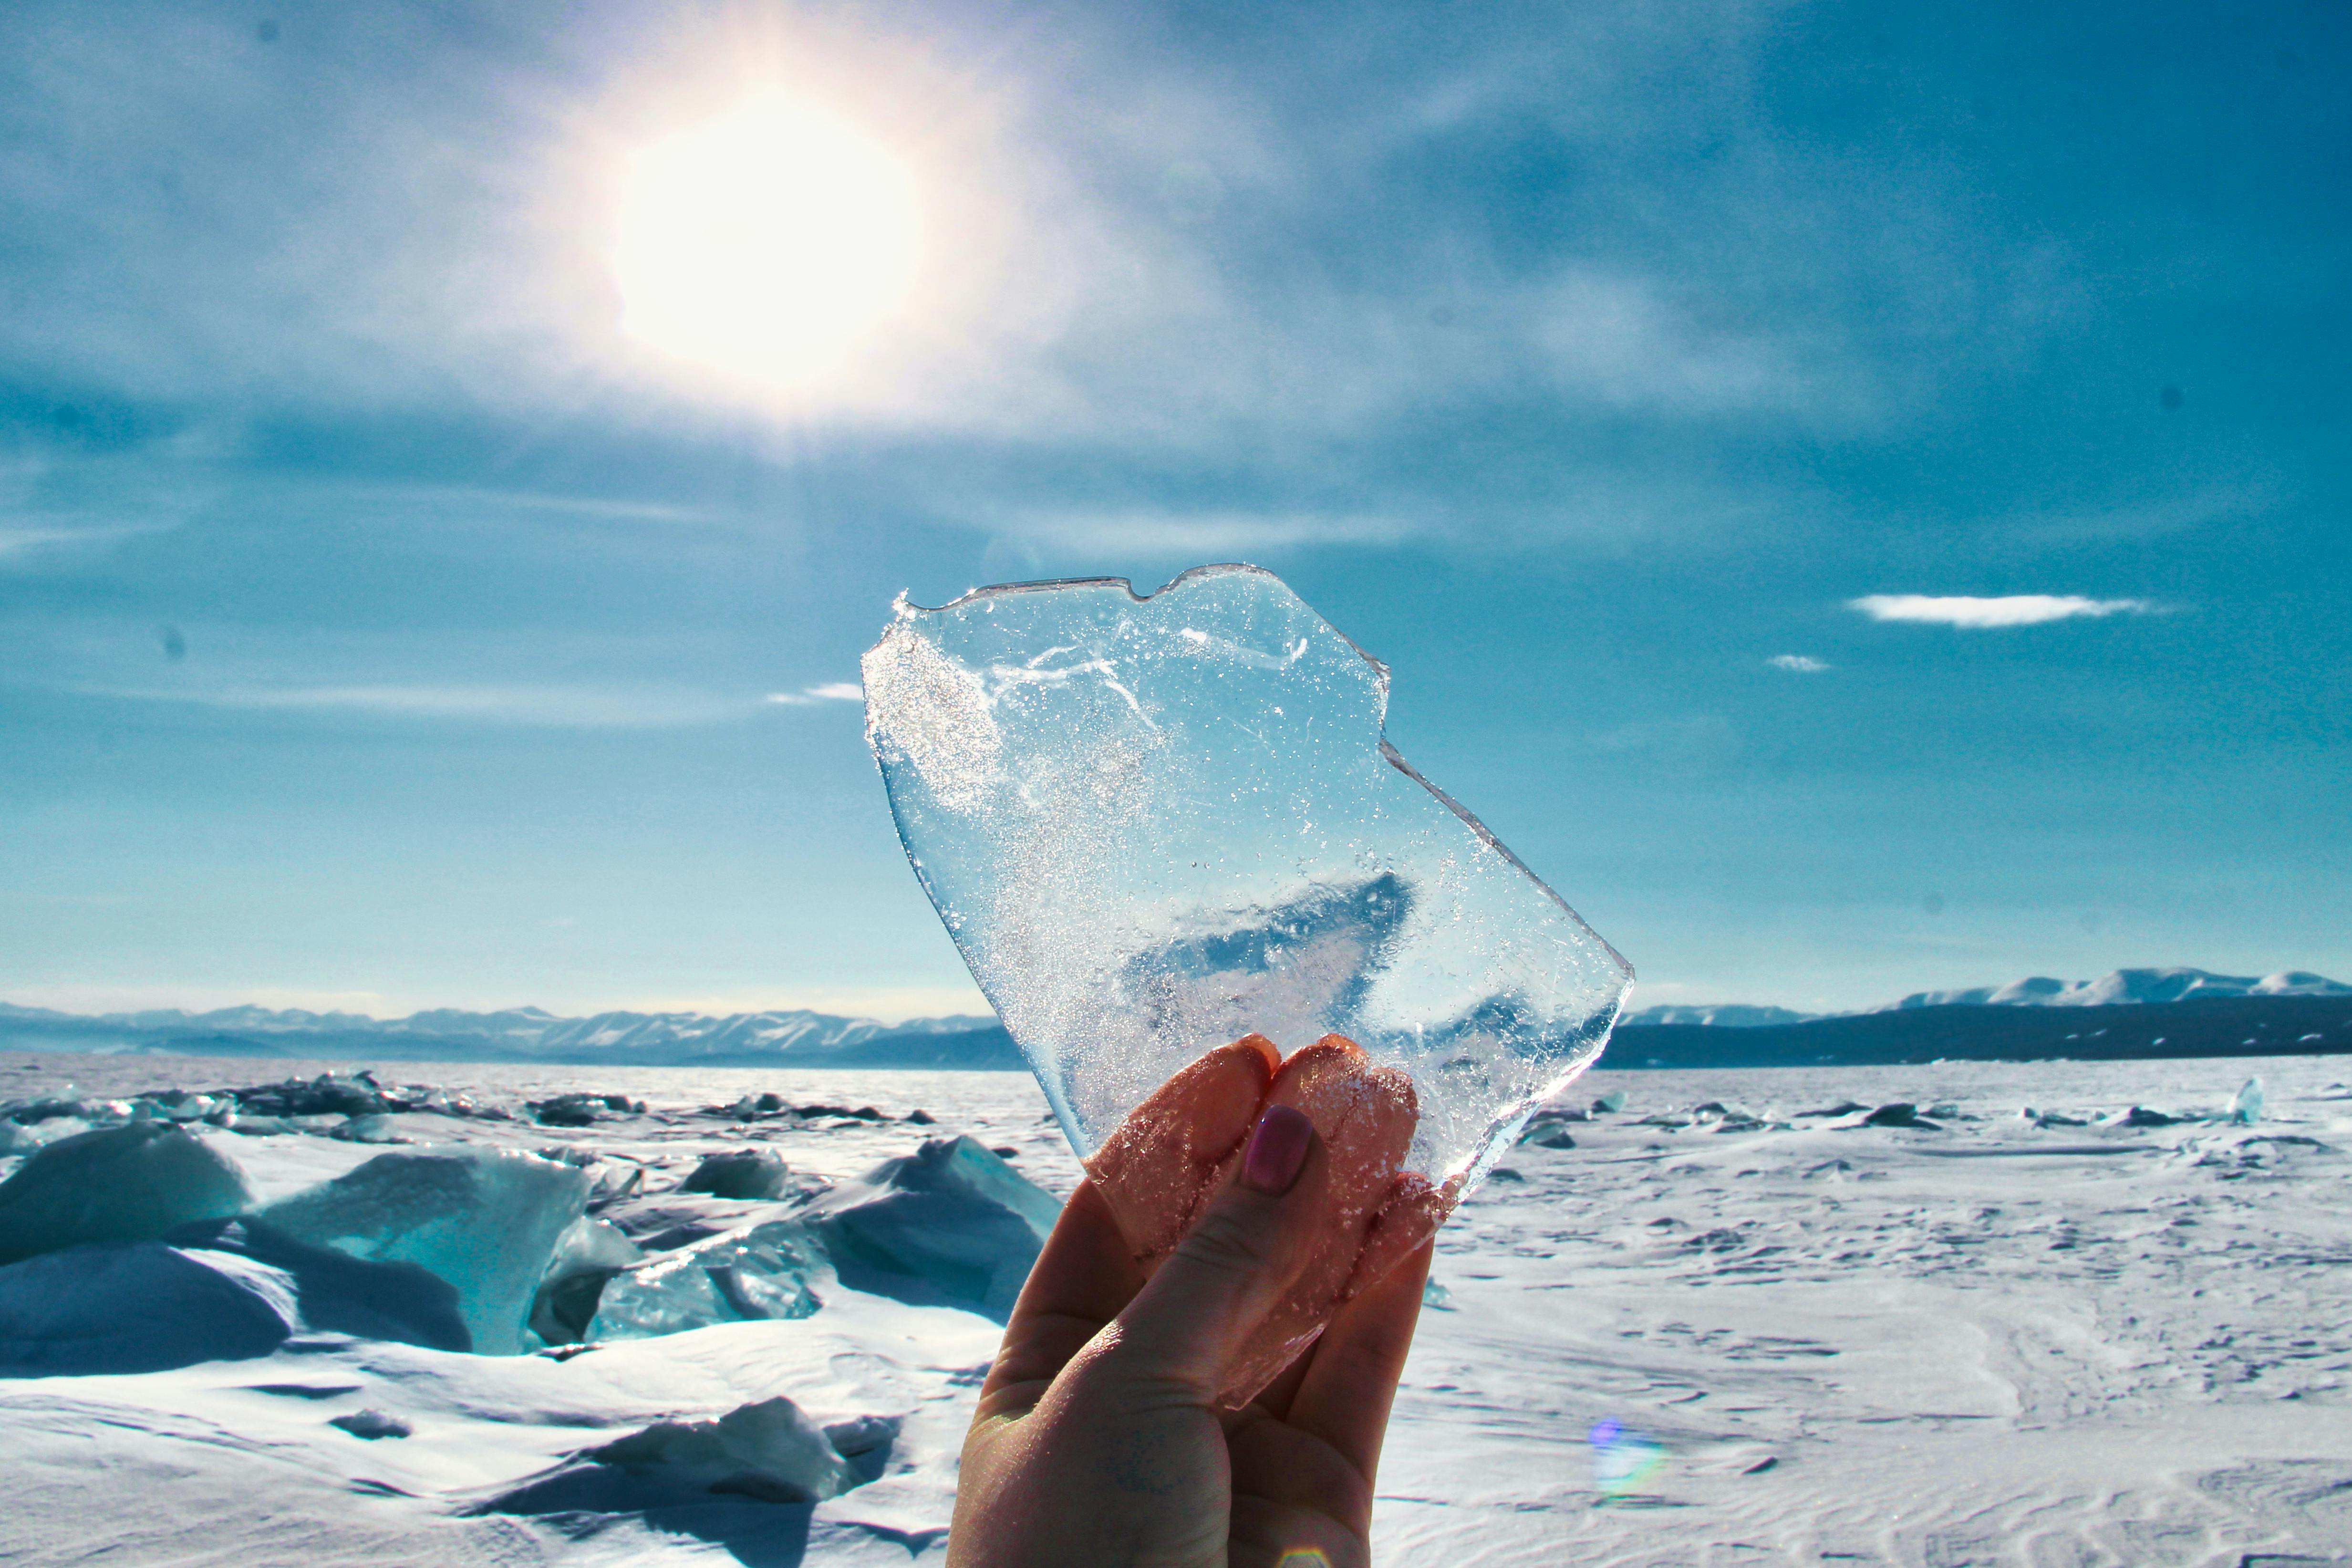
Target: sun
{"x": 766, "y": 242}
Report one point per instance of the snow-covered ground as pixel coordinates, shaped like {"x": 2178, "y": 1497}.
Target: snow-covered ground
{"x": 1997, "y": 1343}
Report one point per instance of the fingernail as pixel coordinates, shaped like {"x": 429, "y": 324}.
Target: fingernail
{"x": 1277, "y": 1150}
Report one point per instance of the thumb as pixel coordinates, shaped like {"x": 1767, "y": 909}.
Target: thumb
{"x": 1225, "y": 1276}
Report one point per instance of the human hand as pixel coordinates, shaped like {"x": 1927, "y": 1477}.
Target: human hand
{"x": 1098, "y": 1441}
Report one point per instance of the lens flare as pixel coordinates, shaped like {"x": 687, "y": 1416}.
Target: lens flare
{"x": 1622, "y": 1460}
{"x": 766, "y": 242}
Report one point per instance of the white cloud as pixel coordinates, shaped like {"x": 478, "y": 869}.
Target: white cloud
{"x": 1800, "y": 664}
{"x": 830, "y": 691}
{"x": 1975, "y": 613}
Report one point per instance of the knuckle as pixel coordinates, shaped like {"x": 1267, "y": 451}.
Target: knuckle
{"x": 1227, "y": 1242}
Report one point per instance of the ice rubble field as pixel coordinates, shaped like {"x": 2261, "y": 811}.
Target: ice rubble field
{"x": 1994, "y": 1342}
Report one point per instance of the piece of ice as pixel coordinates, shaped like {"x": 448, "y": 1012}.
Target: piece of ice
{"x": 373, "y": 1128}
{"x": 335, "y": 1293}
{"x": 770, "y": 1452}
{"x": 222, "y": 1289}
{"x": 326, "y": 1095}
{"x": 18, "y": 1139}
{"x": 137, "y": 1307}
{"x": 950, "y": 1225}
{"x": 130, "y": 1182}
{"x": 662, "y": 1222}
{"x": 739, "y": 1173}
{"x": 486, "y": 1221}
{"x": 765, "y": 1271}
{"x": 1156, "y": 824}
{"x": 587, "y": 1255}
{"x": 2246, "y": 1109}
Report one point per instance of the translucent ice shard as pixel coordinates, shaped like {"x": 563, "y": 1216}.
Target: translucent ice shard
{"x": 1156, "y": 824}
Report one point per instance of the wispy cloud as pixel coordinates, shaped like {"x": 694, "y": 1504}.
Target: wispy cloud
{"x": 1797, "y": 663}
{"x": 24, "y": 540}
{"x": 473, "y": 498}
{"x": 577, "y": 707}
{"x": 1977, "y": 614}
{"x": 830, "y": 691}
{"x": 1200, "y": 534}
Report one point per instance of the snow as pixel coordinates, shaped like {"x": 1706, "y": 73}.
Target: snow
{"x": 1991, "y": 1343}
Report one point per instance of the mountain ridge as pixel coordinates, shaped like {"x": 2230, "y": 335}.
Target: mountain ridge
{"x": 2217, "y": 1013}
{"x": 2118, "y": 987}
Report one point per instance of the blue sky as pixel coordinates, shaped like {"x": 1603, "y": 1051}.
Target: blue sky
{"x": 384, "y": 626}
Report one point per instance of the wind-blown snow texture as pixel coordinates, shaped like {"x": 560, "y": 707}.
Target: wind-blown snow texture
{"x": 2001, "y": 1342}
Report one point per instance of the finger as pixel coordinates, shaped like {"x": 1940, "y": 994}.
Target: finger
{"x": 1163, "y": 1163}
{"x": 1366, "y": 1115}
{"x": 1081, "y": 1280}
{"x": 1344, "y": 1396}
{"x": 1219, "y": 1284}
{"x": 1274, "y": 1400}
{"x": 1408, "y": 1217}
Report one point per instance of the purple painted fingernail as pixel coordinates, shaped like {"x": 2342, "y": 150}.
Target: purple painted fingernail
{"x": 1277, "y": 1150}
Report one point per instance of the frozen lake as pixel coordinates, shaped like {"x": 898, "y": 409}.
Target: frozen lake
{"x": 1997, "y": 1343}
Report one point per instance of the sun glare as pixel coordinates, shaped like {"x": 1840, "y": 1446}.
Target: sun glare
{"x": 766, "y": 242}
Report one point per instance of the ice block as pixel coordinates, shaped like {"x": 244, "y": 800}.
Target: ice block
{"x": 1156, "y": 825}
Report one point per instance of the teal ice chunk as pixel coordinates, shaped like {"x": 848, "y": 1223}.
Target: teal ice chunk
{"x": 588, "y": 1253}
{"x": 130, "y": 1182}
{"x": 486, "y": 1221}
{"x": 950, "y": 1225}
{"x": 2246, "y": 1109}
{"x": 1153, "y": 825}
{"x": 767, "y": 1271}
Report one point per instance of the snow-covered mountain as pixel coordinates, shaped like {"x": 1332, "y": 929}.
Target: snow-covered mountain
{"x": 803, "y": 1038}
{"x": 2123, "y": 988}
{"x": 2126, "y": 986}
{"x": 1723, "y": 1016}
{"x": 518, "y": 1034}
